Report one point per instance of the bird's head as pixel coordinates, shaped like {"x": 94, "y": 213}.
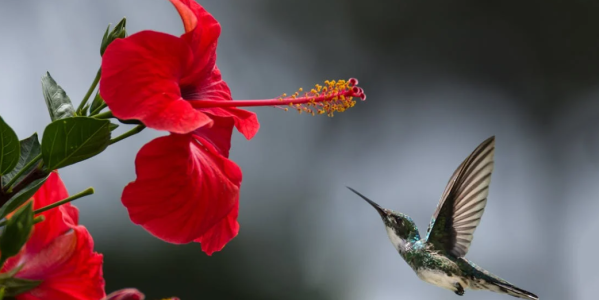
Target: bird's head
{"x": 401, "y": 229}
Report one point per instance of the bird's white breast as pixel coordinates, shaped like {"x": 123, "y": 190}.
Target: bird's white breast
{"x": 398, "y": 243}
{"x": 440, "y": 279}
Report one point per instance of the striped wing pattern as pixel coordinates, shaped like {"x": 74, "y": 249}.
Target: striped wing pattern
{"x": 463, "y": 202}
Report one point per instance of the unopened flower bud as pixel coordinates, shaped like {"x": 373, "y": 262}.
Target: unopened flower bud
{"x": 118, "y": 32}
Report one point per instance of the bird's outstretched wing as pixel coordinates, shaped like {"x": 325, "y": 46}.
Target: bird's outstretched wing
{"x": 463, "y": 202}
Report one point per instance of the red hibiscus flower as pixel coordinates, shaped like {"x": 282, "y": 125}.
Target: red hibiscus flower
{"x": 186, "y": 188}
{"x": 149, "y": 76}
{"x": 59, "y": 252}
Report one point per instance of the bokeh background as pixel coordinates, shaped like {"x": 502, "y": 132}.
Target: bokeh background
{"x": 441, "y": 76}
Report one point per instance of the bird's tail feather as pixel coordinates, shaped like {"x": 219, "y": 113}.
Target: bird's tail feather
{"x": 514, "y": 291}
{"x": 494, "y": 283}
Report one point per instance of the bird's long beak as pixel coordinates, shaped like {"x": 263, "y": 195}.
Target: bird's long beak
{"x": 379, "y": 209}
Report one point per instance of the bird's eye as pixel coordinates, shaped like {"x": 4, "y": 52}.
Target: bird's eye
{"x": 399, "y": 221}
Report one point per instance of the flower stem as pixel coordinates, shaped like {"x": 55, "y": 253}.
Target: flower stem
{"x": 98, "y": 109}
{"x": 137, "y": 129}
{"x": 86, "y": 192}
{"x": 104, "y": 115}
{"x": 23, "y": 170}
{"x": 38, "y": 219}
{"x": 90, "y": 91}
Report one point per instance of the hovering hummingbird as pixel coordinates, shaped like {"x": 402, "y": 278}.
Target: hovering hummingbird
{"x": 439, "y": 257}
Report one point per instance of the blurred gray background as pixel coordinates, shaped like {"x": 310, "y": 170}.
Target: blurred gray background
{"x": 440, "y": 78}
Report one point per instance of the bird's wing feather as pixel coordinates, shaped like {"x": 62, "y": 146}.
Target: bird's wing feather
{"x": 463, "y": 202}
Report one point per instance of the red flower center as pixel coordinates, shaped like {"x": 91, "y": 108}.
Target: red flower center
{"x": 189, "y": 92}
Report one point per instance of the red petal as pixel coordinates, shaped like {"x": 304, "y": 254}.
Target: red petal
{"x": 68, "y": 268}
{"x": 245, "y": 121}
{"x": 187, "y": 15}
{"x": 70, "y": 214}
{"x": 51, "y": 191}
{"x": 220, "y": 234}
{"x": 140, "y": 80}
{"x": 201, "y": 33}
{"x": 219, "y": 135}
{"x": 183, "y": 188}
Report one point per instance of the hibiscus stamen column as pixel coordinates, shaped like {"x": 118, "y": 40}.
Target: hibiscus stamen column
{"x": 334, "y": 96}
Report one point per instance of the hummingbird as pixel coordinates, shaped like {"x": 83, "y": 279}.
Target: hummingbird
{"x": 439, "y": 258}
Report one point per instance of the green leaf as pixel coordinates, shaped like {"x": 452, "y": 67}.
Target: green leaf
{"x": 22, "y": 196}
{"x": 72, "y": 140}
{"x": 9, "y": 148}
{"x": 11, "y": 273}
{"x": 17, "y": 232}
{"x": 30, "y": 148}
{"x": 113, "y": 126}
{"x": 16, "y": 286}
{"x": 98, "y": 101}
{"x": 59, "y": 104}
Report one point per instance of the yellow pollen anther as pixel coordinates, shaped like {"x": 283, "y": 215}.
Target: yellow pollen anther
{"x": 334, "y": 96}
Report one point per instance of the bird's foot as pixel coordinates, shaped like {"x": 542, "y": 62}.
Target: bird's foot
{"x": 459, "y": 289}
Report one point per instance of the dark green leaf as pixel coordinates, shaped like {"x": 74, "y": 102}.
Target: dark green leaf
{"x": 113, "y": 126}
{"x": 22, "y": 196}
{"x": 16, "y": 286}
{"x": 9, "y": 148}
{"x": 59, "y": 104}
{"x": 96, "y": 103}
{"x": 17, "y": 231}
{"x": 72, "y": 140}
{"x": 11, "y": 273}
{"x": 30, "y": 148}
